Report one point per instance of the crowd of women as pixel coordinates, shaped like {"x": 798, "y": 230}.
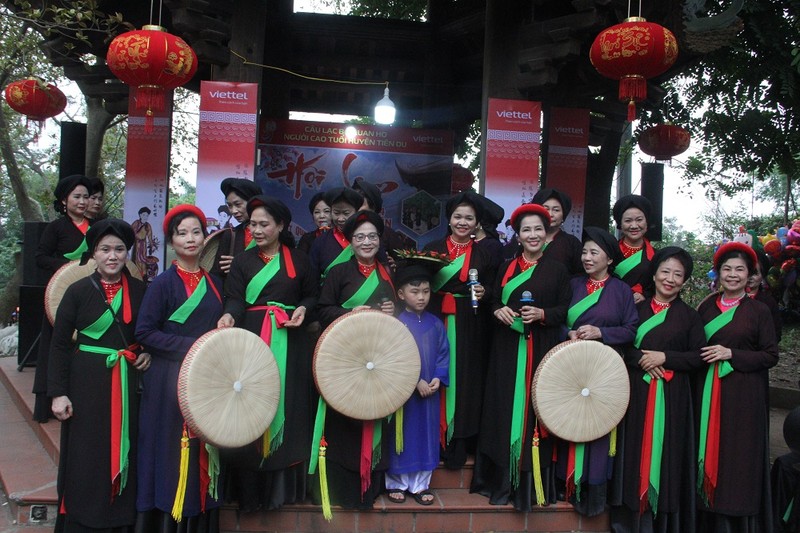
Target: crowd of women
{"x": 690, "y": 454}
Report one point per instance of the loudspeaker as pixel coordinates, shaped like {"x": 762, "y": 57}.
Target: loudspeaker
{"x": 653, "y": 190}
{"x": 31, "y": 314}
{"x": 73, "y": 149}
{"x": 32, "y": 274}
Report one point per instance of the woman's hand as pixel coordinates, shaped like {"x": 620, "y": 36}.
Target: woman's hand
{"x": 226, "y": 321}
{"x": 387, "y": 307}
{"x": 656, "y": 372}
{"x": 638, "y": 297}
{"x": 712, "y": 354}
{"x": 572, "y": 335}
{"x": 225, "y": 263}
{"x": 531, "y": 314}
{"x": 589, "y": 333}
{"x": 62, "y": 407}
{"x": 142, "y": 362}
{"x": 505, "y": 315}
{"x": 298, "y": 316}
{"x": 479, "y": 291}
{"x": 435, "y": 383}
{"x": 651, "y": 359}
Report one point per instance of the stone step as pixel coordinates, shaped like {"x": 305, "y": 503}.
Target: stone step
{"x": 29, "y": 455}
{"x": 27, "y": 469}
{"x": 453, "y": 510}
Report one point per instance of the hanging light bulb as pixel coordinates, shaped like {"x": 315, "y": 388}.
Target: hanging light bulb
{"x": 384, "y": 109}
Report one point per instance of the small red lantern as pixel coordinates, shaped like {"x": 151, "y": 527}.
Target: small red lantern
{"x": 153, "y": 62}
{"x": 631, "y": 52}
{"x": 664, "y": 141}
{"x": 35, "y": 99}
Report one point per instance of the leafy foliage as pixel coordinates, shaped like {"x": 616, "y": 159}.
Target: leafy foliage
{"x": 742, "y": 102}
{"x": 415, "y": 10}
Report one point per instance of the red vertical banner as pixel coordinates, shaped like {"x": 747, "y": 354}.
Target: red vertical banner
{"x": 226, "y": 141}
{"x": 567, "y": 157}
{"x": 514, "y": 135}
{"x": 147, "y": 184}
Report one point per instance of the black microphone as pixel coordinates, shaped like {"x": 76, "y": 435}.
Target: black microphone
{"x": 473, "y": 280}
{"x": 378, "y": 305}
{"x": 526, "y": 299}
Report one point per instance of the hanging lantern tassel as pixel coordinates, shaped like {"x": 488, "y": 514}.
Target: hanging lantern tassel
{"x": 150, "y": 98}
{"x": 633, "y": 89}
{"x": 180, "y": 492}
{"x": 323, "y": 482}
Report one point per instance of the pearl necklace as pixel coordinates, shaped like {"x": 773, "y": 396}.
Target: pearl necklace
{"x": 730, "y": 303}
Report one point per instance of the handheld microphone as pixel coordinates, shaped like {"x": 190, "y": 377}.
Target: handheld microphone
{"x": 526, "y": 299}
{"x": 378, "y": 305}
{"x": 473, "y": 280}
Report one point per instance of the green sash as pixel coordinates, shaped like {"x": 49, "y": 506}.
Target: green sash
{"x": 446, "y": 274}
{"x": 251, "y": 245}
{"x": 719, "y": 322}
{"x": 260, "y": 280}
{"x": 187, "y": 308}
{"x": 364, "y": 292}
{"x": 628, "y": 264}
{"x": 101, "y": 325}
{"x": 575, "y": 312}
{"x": 77, "y": 252}
{"x": 344, "y": 255}
{"x": 515, "y": 282}
{"x": 648, "y": 325}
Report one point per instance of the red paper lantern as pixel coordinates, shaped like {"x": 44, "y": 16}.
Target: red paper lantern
{"x": 664, "y": 141}
{"x": 153, "y": 62}
{"x": 35, "y": 99}
{"x": 631, "y": 52}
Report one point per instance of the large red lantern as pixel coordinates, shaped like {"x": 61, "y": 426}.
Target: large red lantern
{"x": 631, "y": 52}
{"x": 664, "y": 141}
{"x": 35, "y": 99}
{"x": 153, "y": 62}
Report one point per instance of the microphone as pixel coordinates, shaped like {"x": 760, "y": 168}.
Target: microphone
{"x": 378, "y": 305}
{"x": 473, "y": 280}
{"x": 526, "y": 299}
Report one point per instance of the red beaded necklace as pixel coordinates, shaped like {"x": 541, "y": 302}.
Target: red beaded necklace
{"x": 110, "y": 288}
{"x": 366, "y": 270}
{"x": 593, "y": 285}
{"x": 628, "y": 250}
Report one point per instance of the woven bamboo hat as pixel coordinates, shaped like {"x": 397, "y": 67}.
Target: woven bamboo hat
{"x": 581, "y": 390}
{"x": 366, "y": 364}
{"x": 66, "y": 276}
{"x": 229, "y": 387}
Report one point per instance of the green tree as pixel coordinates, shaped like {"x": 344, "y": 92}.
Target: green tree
{"x": 742, "y": 101}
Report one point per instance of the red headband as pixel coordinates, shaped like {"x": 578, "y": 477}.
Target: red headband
{"x": 529, "y": 209}
{"x": 184, "y": 208}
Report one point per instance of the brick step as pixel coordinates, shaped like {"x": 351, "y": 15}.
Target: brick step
{"x": 27, "y": 469}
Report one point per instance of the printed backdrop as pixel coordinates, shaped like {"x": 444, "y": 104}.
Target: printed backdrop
{"x": 412, "y": 168}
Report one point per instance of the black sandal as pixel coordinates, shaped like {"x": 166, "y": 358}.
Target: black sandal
{"x": 392, "y": 495}
{"x": 419, "y": 497}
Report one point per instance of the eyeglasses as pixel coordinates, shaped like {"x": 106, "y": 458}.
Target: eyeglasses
{"x": 361, "y": 237}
